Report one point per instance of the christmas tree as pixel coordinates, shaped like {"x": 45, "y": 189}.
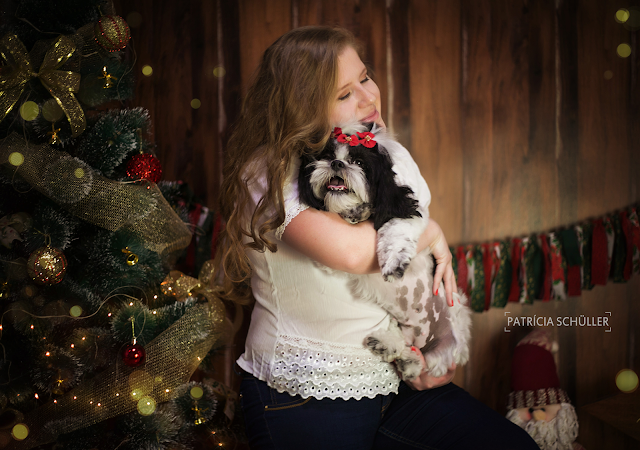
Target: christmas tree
{"x": 99, "y": 338}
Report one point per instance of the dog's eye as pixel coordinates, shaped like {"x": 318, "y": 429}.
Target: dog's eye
{"x": 358, "y": 162}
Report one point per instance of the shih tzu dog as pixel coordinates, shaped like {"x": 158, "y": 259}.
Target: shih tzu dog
{"x": 357, "y": 176}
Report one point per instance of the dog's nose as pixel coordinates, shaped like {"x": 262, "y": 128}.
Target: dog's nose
{"x": 336, "y": 164}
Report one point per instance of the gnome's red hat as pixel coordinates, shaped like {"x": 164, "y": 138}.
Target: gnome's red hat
{"x": 534, "y": 379}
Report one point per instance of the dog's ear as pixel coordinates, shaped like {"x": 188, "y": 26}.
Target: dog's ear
{"x": 391, "y": 201}
{"x": 305, "y": 191}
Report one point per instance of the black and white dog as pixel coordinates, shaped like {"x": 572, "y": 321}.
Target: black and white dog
{"x": 356, "y": 176}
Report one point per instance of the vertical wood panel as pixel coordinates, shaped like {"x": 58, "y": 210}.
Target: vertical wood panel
{"x": 260, "y": 24}
{"x": 477, "y": 118}
{"x": 434, "y": 55}
{"x": 513, "y": 189}
{"x": 399, "y": 93}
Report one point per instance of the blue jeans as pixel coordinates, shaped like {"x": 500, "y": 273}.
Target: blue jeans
{"x": 437, "y": 419}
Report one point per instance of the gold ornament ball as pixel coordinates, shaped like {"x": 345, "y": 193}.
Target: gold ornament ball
{"x": 47, "y": 265}
{"x": 112, "y": 33}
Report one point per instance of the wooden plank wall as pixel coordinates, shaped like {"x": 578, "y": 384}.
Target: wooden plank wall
{"x": 505, "y": 107}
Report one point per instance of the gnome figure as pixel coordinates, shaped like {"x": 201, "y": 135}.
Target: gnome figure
{"x": 536, "y": 402}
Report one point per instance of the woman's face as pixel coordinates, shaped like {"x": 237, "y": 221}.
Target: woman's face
{"x": 358, "y": 97}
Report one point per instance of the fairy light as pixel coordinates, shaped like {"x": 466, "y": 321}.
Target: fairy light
{"x": 131, "y": 304}
{"x": 75, "y": 398}
{"x": 73, "y": 346}
{"x": 55, "y": 401}
{"x": 32, "y": 327}
{"x": 37, "y": 396}
{"x": 47, "y": 354}
{"x": 84, "y": 337}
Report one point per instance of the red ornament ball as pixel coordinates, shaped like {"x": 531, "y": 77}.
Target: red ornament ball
{"x": 144, "y": 167}
{"x": 134, "y": 355}
{"x": 112, "y": 33}
{"x": 47, "y": 265}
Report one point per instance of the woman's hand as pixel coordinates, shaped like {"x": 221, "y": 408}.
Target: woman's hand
{"x": 426, "y": 381}
{"x": 444, "y": 267}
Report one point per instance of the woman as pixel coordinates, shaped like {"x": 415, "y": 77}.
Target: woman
{"x": 308, "y": 380}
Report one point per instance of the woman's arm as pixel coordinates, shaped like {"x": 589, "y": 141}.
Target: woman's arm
{"x": 325, "y": 237}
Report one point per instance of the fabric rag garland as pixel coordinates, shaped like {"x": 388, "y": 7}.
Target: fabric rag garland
{"x": 552, "y": 265}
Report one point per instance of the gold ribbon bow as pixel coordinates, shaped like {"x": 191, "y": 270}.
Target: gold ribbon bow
{"x": 182, "y": 286}
{"x": 61, "y": 84}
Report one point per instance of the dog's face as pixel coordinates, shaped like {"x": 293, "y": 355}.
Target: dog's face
{"x": 340, "y": 179}
{"x": 355, "y": 182}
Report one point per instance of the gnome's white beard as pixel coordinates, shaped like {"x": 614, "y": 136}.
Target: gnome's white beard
{"x": 557, "y": 434}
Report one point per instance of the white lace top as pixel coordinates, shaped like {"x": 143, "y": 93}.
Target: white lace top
{"x": 307, "y": 329}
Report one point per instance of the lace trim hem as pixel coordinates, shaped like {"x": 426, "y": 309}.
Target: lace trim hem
{"x": 291, "y": 214}
{"x": 328, "y": 370}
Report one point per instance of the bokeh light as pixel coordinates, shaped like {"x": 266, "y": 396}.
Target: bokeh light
{"x": 29, "y": 110}
{"x": 624, "y": 50}
{"x": 134, "y": 19}
{"x": 196, "y": 392}
{"x": 219, "y": 72}
{"x": 627, "y": 380}
{"x": 146, "y": 406}
{"x": 632, "y": 21}
{"x": 196, "y": 103}
{"x": 79, "y": 172}
{"x": 75, "y": 311}
{"x": 16, "y": 159}
{"x": 608, "y": 74}
{"x": 622, "y": 15}
{"x": 51, "y": 111}
{"x": 20, "y": 432}
{"x": 147, "y": 70}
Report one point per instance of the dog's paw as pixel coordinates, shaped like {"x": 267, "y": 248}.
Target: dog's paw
{"x": 394, "y": 260}
{"x": 380, "y": 348}
{"x": 409, "y": 364}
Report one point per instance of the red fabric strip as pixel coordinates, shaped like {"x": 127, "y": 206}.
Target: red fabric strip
{"x": 574, "y": 281}
{"x": 599, "y": 254}
{"x": 545, "y": 291}
{"x": 463, "y": 270}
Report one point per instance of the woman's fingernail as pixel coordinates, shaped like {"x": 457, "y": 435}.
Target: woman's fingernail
{"x": 437, "y": 291}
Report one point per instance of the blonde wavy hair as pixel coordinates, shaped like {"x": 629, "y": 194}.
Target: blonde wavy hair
{"x": 285, "y": 113}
